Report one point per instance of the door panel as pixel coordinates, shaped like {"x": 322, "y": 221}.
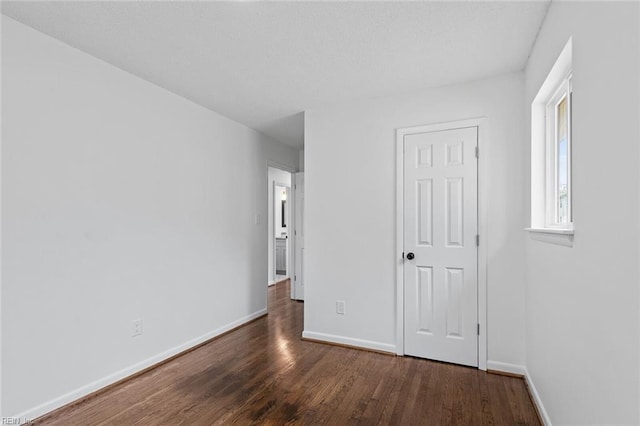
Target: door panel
{"x": 454, "y": 211}
{"x": 455, "y": 293}
{"x": 425, "y": 300}
{"x": 440, "y": 228}
{"x": 425, "y": 211}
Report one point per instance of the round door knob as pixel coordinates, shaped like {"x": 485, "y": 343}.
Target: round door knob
{"x": 410, "y": 256}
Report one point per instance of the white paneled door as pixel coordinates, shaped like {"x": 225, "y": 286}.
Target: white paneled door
{"x": 440, "y": 245}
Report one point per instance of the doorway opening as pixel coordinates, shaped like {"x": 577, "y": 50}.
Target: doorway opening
{"x": 285, "y": 236}
{"x": 279, "y": 225}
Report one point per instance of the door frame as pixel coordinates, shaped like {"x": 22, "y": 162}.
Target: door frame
{"x": 483, "y": 169}
{"x": 290, "y": 201}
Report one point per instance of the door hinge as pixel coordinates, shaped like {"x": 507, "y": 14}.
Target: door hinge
{"x": 295, "y": 278}
{"x": 477, "y": 152}
{"x": 478, "y": 329}
{"x": 295, "y": 232}
{"x": 477, "y": 240}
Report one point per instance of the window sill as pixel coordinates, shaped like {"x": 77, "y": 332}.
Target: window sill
{"x": 562, "y": 237}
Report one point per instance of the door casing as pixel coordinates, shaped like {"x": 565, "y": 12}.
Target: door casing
{"x": 290, "y": 201}
{"x": 483, "y": 168}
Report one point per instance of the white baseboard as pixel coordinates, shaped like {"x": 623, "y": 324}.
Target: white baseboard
{"x": 536, "y": 399}
{"x": 365, "y": 344}
{"x": 271, "y": 283}
{"x": 65, "y": 399}
{"x": 522, "y": 370}
{"x": 507, "y": 368}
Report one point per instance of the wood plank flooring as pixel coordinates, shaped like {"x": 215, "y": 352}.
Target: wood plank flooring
{"x": 263, "y": 373}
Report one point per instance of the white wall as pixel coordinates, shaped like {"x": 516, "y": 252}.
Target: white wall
{"x": 277, "y": 176}
{"x": 120, "y": 200}
{"x": 301, "y": 161}
{"x": 351, "y": 146}
{"x": 1, "y": 224}
{"x": 582, "y": 302}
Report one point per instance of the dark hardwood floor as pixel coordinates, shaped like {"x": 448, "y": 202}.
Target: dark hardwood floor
{"x": 263, "y": 373}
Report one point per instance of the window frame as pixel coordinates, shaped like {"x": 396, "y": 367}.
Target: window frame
{"x": 544, "y": 226}
{"x": 563, "y": 91}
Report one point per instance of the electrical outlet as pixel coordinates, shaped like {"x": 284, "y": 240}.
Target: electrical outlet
{"x": 136, "y": 328}
{"x": 340, "y": 307}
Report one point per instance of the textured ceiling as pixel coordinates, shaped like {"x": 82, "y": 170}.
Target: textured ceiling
{"x": 262, "y": 63}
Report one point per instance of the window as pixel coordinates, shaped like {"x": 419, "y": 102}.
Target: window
{"x": 558, "y": 167}
{"x": 551, "y": 144}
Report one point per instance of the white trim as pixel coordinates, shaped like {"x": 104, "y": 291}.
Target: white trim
{"x": 561, "y": 237}
{"x": 276, "y": 165}
{"x": 550, "y": 231}
{"x": 483, "y": 230}
{"x": 522, "y": 370}
{"x": 483, "y": 194}
{"x": 551, "y": 147}
{"x": 74, "y": 395}
{"x": 536, "y": 398}
{"x": 505, "y": 367}
{"x": 342, "y": 340}
{"x": 399, "y": 243}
